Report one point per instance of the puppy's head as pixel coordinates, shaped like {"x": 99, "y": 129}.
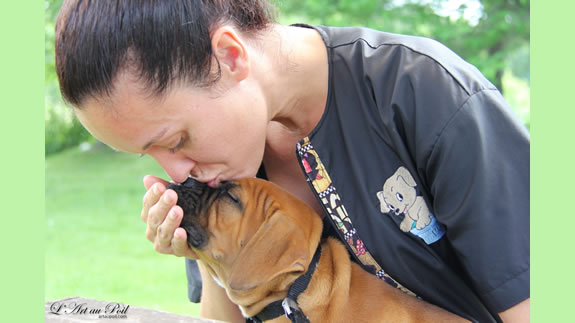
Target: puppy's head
{"x": 195, "y": 199}
{"x": 251, "y": 235}
{"x": 398, "y": 192}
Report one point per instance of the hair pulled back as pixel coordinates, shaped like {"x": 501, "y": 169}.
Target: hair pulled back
{"x": 163, "y": 41}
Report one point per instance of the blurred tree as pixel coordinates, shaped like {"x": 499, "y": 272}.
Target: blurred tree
{"x": 488, "y": 42}
{"x": 503, "y": 29}
{"x": 61, "y": 129}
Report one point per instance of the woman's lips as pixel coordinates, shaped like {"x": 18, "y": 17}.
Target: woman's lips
{"x": 213, "y": 183}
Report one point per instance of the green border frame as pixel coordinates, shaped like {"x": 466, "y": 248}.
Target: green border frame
{"x": 552, "y": 159}
{"x": 22, "y": 133}
{"x": 22, "y": 77}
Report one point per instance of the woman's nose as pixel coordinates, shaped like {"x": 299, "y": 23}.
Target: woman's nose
{"x": 177, "y": 166}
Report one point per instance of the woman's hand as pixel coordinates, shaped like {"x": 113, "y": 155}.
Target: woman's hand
{"x": 163, "y": 217}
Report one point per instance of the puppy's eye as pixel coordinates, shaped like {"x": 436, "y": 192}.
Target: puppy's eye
{"x": 233, "y": 198}
{"x": 224, "y": 192}
{"x": 229, "y": 195}
{"x": 399, "y": 197}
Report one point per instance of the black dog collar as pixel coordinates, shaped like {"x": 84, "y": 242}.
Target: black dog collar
{"x": 288, "y": 305}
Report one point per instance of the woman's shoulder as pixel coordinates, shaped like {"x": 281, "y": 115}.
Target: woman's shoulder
{"x": 421, "y": 54}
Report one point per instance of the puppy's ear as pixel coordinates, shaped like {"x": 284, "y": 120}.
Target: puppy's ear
{"x": 383, "y": 207}
{"x": 279, "y": 246}
{"x": 403, "y": 174}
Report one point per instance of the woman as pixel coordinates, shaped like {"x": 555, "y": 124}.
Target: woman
{"x": 408, "y": 153}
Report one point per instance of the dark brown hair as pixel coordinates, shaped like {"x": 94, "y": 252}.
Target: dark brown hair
{"x": 163, "y": 41}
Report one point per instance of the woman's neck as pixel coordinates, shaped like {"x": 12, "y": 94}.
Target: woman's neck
{"x": 295, "y": 80}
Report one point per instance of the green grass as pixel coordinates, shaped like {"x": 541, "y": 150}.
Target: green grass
{"x": 95, "y": 241}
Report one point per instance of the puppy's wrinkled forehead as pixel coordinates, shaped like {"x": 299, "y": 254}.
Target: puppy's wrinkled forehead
{"x": 196, "y": 197}
{"x": 191, "y": 195}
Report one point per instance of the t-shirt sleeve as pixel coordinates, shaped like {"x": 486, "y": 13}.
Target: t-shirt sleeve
{"x": 478, "y": 176}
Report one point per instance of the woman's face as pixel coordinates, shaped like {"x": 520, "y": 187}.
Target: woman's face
{"x": 213, "y": 135}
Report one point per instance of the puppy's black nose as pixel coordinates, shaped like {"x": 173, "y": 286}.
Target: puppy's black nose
{"x": 192, "y": 183}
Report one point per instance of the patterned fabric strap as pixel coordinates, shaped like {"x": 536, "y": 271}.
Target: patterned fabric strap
{"x": 322, "y": 185}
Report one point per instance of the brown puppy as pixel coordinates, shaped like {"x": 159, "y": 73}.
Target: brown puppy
{"x": 257, "y": 239}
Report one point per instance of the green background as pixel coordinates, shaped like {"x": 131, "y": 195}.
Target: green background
{"x": 22, "y": 134}
{"x": 553, "y": 113}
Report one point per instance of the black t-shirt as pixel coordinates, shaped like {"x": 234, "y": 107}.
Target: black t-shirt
{"x": 423, "y": 170}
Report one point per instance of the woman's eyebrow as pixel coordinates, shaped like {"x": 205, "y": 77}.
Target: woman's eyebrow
{"x": 155, "y": 138}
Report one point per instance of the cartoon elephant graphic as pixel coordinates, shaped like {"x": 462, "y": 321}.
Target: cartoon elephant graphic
{"x": 399, "y": 196}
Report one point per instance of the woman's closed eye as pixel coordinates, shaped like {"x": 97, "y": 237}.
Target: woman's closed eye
{"x": 179, "y": 145}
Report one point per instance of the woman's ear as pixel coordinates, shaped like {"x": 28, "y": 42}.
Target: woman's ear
{"x": 230, "y": 51}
